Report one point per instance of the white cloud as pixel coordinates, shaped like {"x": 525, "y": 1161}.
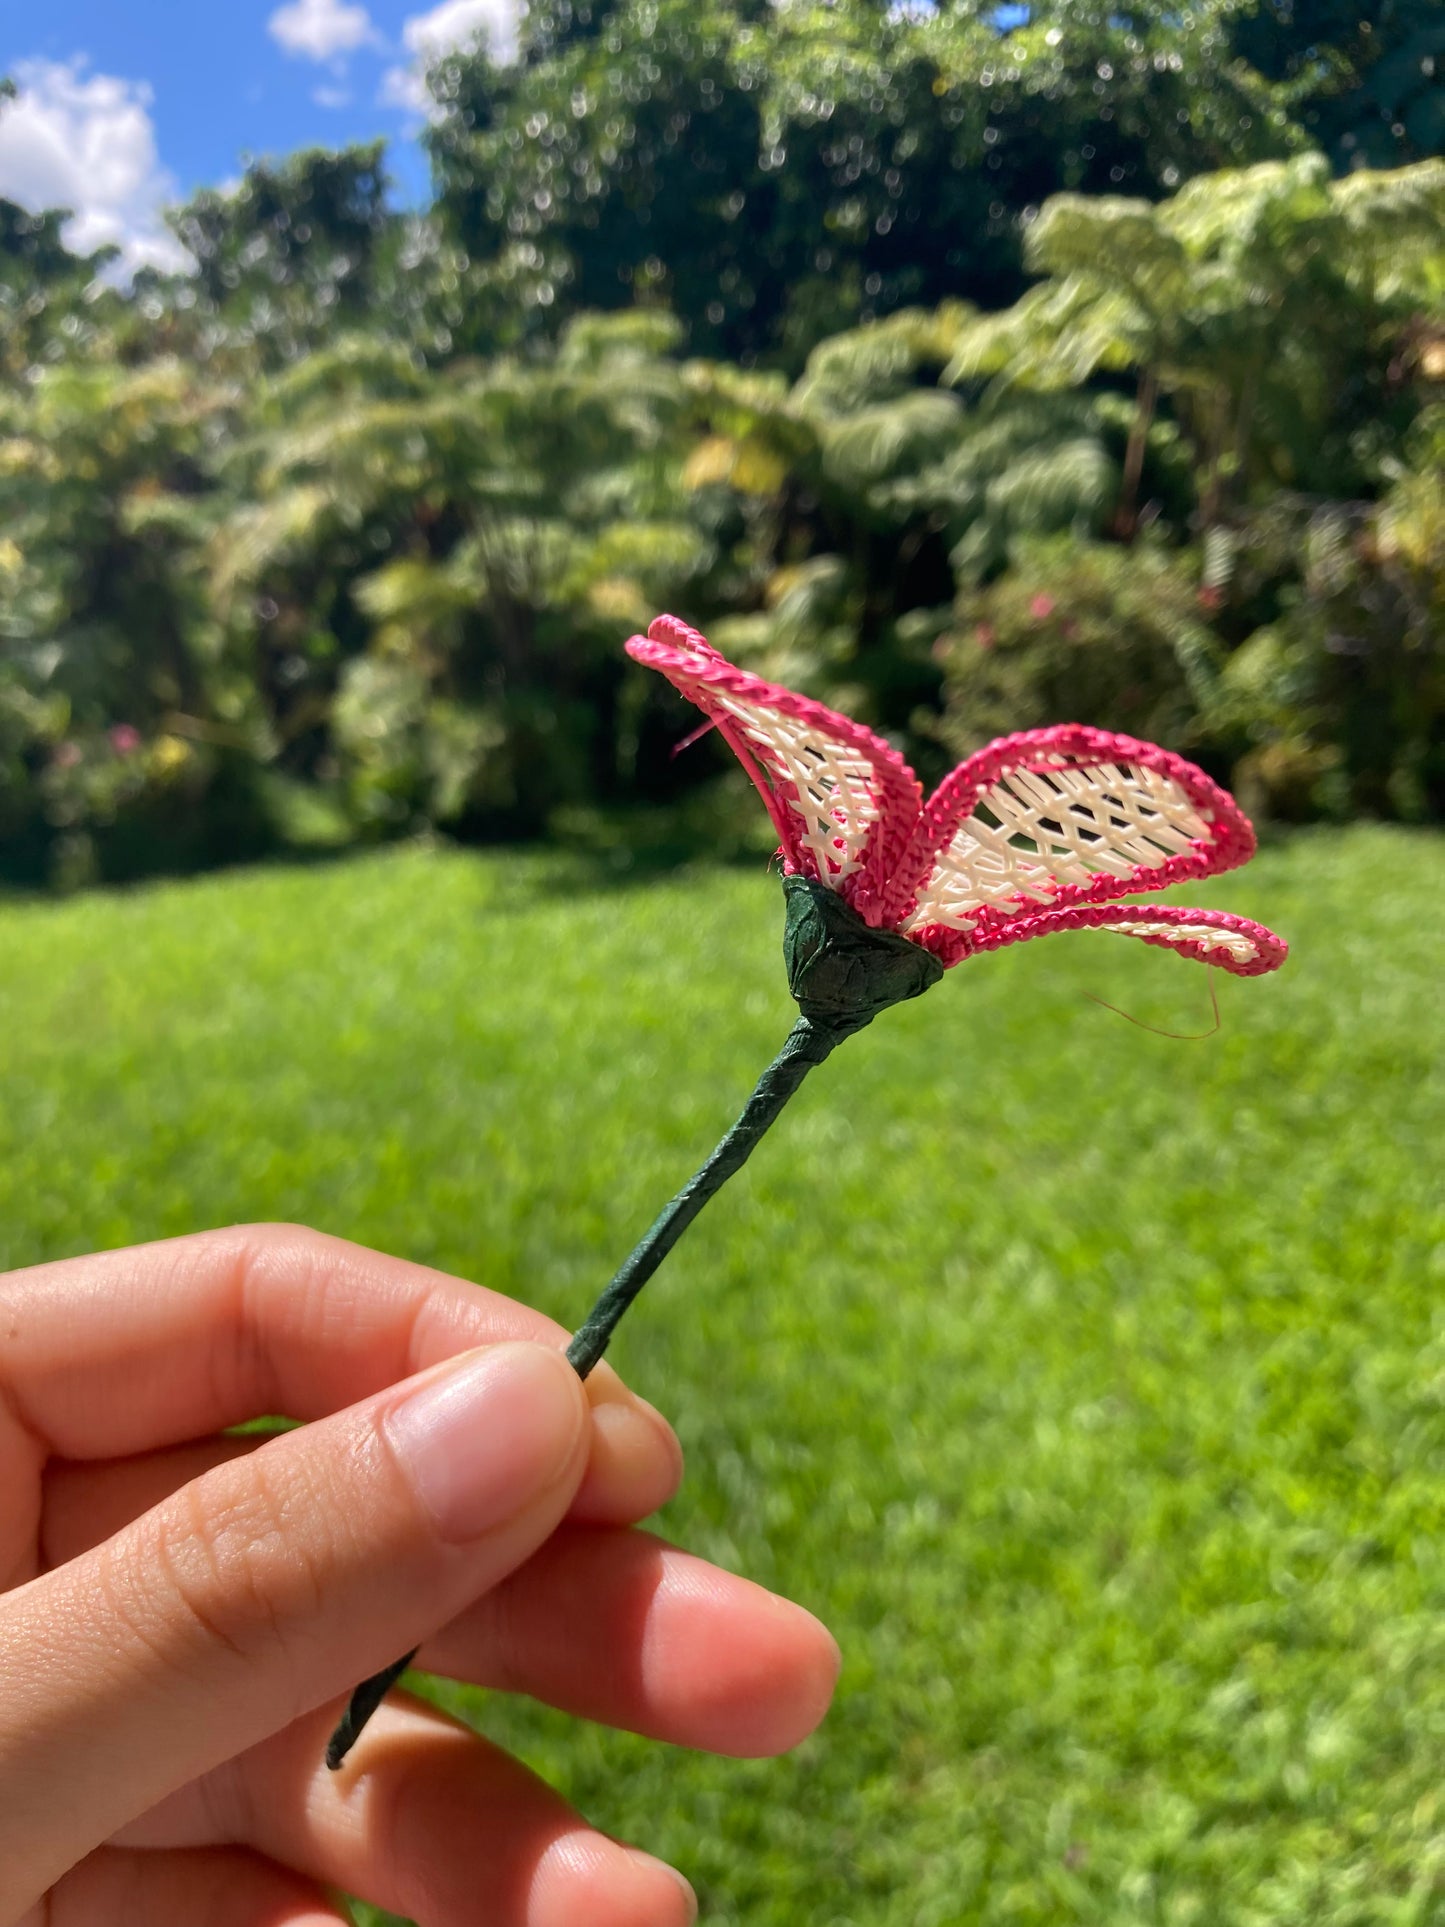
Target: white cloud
{"x": 85, "y": 141}
{"x": 321, "y": 29}
{"x": 331, "y": 96}
{"x": 405, "y": 87}
{"x": 455, "y": 23}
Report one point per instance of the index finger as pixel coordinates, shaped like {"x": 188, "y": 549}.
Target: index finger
{"x": 125, "y": 1351}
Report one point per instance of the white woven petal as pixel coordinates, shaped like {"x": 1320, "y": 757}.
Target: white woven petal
{"x": 1238, "y": 945}
{"x": 1035, "y": 829}
{"x": 833, "y": 789}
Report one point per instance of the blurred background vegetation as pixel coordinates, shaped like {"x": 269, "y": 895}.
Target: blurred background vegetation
{"x": 971, "y": 368}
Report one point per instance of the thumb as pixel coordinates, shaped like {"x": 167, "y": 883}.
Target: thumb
{"x": 266, "y": 1587}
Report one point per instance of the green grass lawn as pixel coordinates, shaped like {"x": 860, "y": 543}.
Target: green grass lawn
{"x": 1090, "y": 1385}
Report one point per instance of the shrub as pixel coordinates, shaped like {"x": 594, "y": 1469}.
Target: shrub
{"x": 1082, "y": 633}
{"x": 1342, "y": 698}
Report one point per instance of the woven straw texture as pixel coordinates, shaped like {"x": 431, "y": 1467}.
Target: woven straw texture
{"x": 1033, "y": 834}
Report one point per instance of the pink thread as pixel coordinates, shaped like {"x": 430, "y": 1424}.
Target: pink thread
{"x": 693, "y": 736}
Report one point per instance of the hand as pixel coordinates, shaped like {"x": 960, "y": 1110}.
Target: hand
{"x": 187, "y": 1612}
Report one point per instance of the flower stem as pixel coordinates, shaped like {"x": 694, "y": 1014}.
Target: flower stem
{"x": 807, "y": 1044}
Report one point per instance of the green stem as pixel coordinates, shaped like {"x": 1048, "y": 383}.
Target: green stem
{"x": 363, "y": 1703}
{"x": 807, "y": 1044}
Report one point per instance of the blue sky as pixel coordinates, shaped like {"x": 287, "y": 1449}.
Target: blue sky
{"x": 125, "y": 104}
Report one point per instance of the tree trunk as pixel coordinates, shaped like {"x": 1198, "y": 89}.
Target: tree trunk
{"x": 1211, "y": 499}
{"x": 1242, "y": 423}
{"x": 1126, "y": 514}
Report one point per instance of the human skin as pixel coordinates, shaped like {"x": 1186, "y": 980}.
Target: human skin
{"x": 183, "y": 1614}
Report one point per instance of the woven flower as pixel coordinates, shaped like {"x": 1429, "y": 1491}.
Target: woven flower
{"x": 1041, "y": 831}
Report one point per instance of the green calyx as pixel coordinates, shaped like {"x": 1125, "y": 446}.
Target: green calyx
{"x": 841, "y": 971}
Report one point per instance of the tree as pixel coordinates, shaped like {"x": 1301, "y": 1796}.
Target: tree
{"x": 288, "y": 256}
{"x": 475, "y": 537}
{"x": 1365, "y": 78}
{"x": 1267, "y": 304}
{"x": 51, "y": 307}
{"x": 776, "y": 179}
{"x": 115, "y": 695}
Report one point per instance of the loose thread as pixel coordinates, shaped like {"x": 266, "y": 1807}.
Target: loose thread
{"x": 806, "y": 1045}
{"x": 1178, "y": 1036}
{"x": 687, "y": 742}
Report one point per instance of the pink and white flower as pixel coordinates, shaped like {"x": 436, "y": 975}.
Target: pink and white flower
{"x": 1038, "y": 832}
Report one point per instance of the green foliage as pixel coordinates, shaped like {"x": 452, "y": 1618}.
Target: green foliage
{"x": 290, "y": 254}
{"x": 1268, "y": 304}
{"x": 1086, "y": 1383}
{"x": 1082, "y": 633}
{"x": 50, "y": 304}
{"x": 492, "y": 528}
{"x": 777, "y": 176}
{"x": 126, "y": 718}
{"x": 1343, "y": 696}
{"x": 1024, "y": 466}
{"x": 1363, "y": 77}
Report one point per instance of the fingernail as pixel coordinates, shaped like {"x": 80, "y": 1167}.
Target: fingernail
{"x": 483, "y": 1439}
{"x": 650, "y": 1860}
